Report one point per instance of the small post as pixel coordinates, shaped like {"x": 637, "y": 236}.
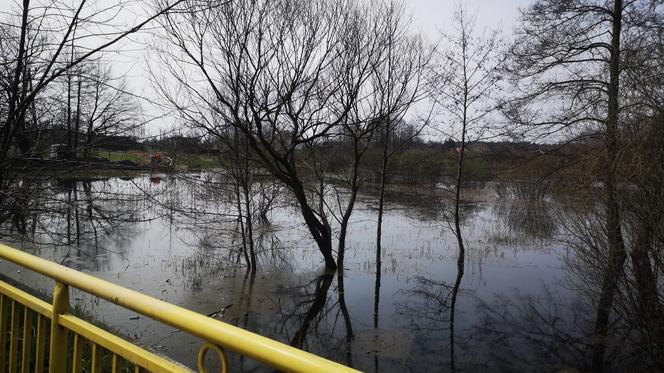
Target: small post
{"x": 58, "y": 343}
{"x": 3, "y": 330}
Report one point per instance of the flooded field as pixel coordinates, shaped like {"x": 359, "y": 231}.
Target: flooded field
{"x": 520, "y": 302}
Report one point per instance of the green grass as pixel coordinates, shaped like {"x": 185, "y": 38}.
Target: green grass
{"x": 122, "y": 156}
{"x": 182, "y": 161}
{"x": 196, "y": 161}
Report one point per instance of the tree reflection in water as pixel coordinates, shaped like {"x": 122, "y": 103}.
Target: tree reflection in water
{"x": 426, "y": 309}
{"x": 432, "y": 321}
{"x": 310, "y": 311}
{"x": 518, "y": 331}
{"x": 88, "y": 218}
{"x": 554, "y": 328}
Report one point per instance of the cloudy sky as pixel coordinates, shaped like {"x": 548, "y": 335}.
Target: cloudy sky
{"x": 429, "y": 17}
{"x": 433, "y": 15}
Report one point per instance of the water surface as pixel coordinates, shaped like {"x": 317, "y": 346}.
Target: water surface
{"x": 172, "y": 237}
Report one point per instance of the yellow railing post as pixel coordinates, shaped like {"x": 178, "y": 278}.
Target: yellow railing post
{"x": 27, "y": 340}
{"x": 13, "y": 340}
{"x": 40, "y": 344}
{"x": 58, "y": 345}
{"x": 3, "y": 330}
{"x": 77, "y": 355}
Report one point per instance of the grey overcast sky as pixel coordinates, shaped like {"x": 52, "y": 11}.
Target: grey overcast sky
{"x": 428, "y": 16}
{"x": 433, "y": 15}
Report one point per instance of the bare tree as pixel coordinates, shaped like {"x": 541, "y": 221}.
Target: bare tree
{"x": 468, "y": 80}
{"x": 287, "y": 74}
{"x": 569, "y": 58}
{"x": 398, "y": 86}
{"x": 41, "y": 23}
{"x": 108, "y": 106}
{"x": 265, "y": 68}
{"x": 388, "y": 62}
{"x": 33, "y": 42}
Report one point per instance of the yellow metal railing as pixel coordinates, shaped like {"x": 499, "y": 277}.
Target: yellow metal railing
{"x": 24, "y": 330}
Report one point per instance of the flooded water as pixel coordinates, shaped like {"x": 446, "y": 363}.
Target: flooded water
{"x": 519, "y": 304}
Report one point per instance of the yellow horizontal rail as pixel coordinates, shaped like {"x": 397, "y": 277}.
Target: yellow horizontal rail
{"x": 218, "y": 335}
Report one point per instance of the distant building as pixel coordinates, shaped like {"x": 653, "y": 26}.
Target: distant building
{"x": 59, "y": 151}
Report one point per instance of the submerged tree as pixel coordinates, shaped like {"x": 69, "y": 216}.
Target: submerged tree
{"x": 569, "y": 60}
{"x": 468, "y": 80}
{"x": 266, "y": 69}
{"x": 288, "y": 75}
{"x": 399, "y": 85}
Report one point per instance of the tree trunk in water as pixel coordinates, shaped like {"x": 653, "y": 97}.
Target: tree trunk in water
{"x": 379, "y": 224}
{"x": 461, "y": 247}
{"x": 341, "y": 247}
{"x": 457, "y": 203}
{"x": 349, "y": 209}
{"x": 77, "y": 219}
{"x": 319, "y": 228}
{"x": 377, "y": 291}
{"x": 240, "y": 219}
{"x": 645, "y": 279}
{"x": 650, "y": 310}
{"x": 246, "y": 182}
{"x": 238, "y": 205}
{"x": 320, "y": 232}
{"x": 249, "y": 227}
{"x": 379, "y": 228}
{"x": 460, "y": 259}
{"x": 616, "y": 246}
{"x": 379, "y": 245}
{"x": 346, "y": 316}
{"x": 455, "y": 293}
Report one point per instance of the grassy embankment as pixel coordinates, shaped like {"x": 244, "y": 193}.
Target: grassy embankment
{"x": 183, "y": 162}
